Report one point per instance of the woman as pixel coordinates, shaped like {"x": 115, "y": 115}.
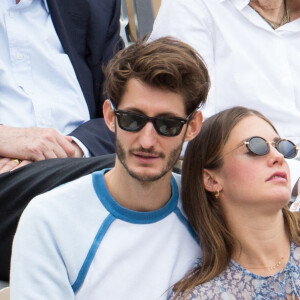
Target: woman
{"x": 236, "y": 186}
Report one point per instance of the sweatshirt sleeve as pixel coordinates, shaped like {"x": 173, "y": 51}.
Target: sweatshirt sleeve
{"x": 38, "y": 271}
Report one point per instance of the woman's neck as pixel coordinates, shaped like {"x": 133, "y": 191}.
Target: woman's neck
{"x": 263, "y": 244}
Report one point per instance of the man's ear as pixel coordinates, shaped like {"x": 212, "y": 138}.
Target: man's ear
{"x": 109, "y": 116}
{"x": 194, "y": 126}
{"x": 211, "y": 181}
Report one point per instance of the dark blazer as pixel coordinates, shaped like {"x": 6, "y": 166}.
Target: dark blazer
{"x": 89, "y": 31}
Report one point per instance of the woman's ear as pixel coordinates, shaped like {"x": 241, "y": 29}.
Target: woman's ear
{"x": 211, "y": 182}
{"x": 194, "y": 126}
{"x": 109, "y": 116}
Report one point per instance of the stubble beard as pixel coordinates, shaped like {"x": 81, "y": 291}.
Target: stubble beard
{"x": 173, "y": 157}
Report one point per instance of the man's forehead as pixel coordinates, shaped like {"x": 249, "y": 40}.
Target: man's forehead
{"x": 139, "y": 95}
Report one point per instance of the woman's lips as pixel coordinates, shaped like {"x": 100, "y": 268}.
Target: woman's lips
{"x": 278, "y": 176}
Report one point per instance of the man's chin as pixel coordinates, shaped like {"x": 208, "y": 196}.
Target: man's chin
{"x": 147, "y": 176}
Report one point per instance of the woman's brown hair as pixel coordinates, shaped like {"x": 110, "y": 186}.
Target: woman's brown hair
{"x": 202, "y": 209}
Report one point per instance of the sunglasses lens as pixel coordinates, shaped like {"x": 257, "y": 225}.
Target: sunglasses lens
{"x": 287, "y": 149}
{"x": 168, "y": 127}
{"x": 258, "y": 146}
{"x": 131, "y": 122}
{"x": 134, "y": 122}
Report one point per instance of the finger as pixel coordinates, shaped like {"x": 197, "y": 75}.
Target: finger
{"x": 35, "y": 152}
{"x": 68, "y": 138}
{"x": 22, "y": 164}
{"x": 7, "y": 165}
{"x": 50, "y": 153}
{"x": 48, "y": 148}
{"x": 78, "y": 152}
{"x": 4, "y": 161}
{"x": 67, "y": 146}
{"x": 58, "y": 151}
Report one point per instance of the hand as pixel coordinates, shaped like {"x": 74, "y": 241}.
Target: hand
{"x": 35, "y": 144}
{"x": 78, "y": 151}
{"x": 8, "y": 164}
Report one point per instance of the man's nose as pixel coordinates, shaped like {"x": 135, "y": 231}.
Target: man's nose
{"x": 148, "y": 136}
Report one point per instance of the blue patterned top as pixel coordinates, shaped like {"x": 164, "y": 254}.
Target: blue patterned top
{"x": 237, "y": 283}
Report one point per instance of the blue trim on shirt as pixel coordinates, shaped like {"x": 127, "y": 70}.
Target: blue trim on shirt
{"x": 185, "y": 222}
{"x": 128, "y": 215}
{"x": 91, "y": 254}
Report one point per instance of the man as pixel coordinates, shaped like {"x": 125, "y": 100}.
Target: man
{"x": 51, "y": 77}
{"x": 120, "y": 233}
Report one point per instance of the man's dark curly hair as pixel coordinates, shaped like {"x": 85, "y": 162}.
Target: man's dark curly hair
{"x": 165, "y": 63}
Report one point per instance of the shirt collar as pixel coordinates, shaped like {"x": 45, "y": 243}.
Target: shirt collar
{"x": 239, "y": 4}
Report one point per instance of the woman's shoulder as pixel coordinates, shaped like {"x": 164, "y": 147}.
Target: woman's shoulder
{"x": 229, "y": 284}
{"x": 213, "y": 289}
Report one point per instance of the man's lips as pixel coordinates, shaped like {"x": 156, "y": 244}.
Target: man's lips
{"x": 144, "y": 155}
{"x": 278, "y": 176}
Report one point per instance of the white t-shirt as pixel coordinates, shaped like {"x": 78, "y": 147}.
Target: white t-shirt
{"x": 77, "y": 242}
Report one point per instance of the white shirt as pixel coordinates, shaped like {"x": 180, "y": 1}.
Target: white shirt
{"x": 38, "y": 85}
{"x": 249, "y": 63}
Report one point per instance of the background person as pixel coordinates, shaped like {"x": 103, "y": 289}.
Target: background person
{"x": 235, "y": 190}
{"x": 124, "y": 235}
{"x": 251, "y": 49}
{"x": 51, "y": 78}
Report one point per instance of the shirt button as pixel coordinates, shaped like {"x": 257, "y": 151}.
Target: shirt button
{"x": 20, "y": 56}
{"x": 11, "y": 14}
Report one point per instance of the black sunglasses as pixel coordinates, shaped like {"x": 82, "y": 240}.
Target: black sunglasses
{"x": 166, "y": 126}
{"x": 259, "y": 146}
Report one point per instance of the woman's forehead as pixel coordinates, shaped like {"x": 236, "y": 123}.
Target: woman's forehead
{"x": 248, "y": 127}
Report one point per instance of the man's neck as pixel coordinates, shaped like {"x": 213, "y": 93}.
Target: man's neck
{"x": 294, "y": 8}
{"x": 272, "y": 10}
{"x": 137, "y": 195}
{"x": 18, "y": 1}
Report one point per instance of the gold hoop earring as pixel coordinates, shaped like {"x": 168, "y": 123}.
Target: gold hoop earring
{"x": 217, "y": 194}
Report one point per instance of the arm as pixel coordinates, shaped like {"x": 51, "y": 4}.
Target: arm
{"x": 37, "y": 268}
